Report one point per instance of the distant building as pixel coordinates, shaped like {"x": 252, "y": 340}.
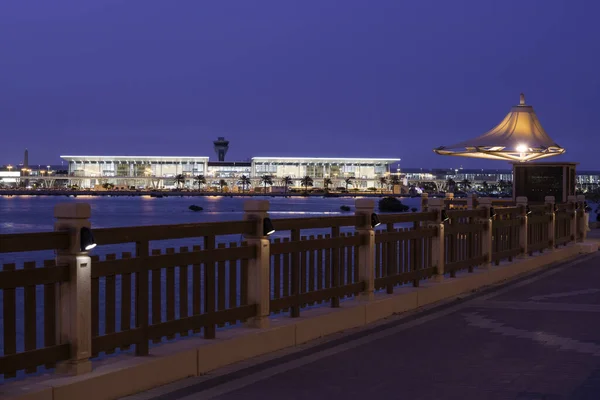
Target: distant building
{"x": 364, "y": 171}
{"x": 90, "y": 171}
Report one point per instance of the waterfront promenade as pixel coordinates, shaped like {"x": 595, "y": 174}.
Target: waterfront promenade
{"x": 119, "y": 322}
{"x": 534, "y": 338}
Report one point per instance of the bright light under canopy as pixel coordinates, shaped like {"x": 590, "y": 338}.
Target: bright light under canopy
{"x": 519, "y": 137}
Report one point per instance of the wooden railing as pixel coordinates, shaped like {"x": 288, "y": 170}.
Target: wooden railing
{"x": 308, "y": 270}
{"x": 463, "y": 240}
{"x": 539, "y": 220}
{"x": 403, "y": 254}
{"x": 29, "y": 295}
{"x": 215, "y": 297}
{"x": 565, "y": 213}
{"x": 505, "y": 233}
{"x": 157, "y": 283}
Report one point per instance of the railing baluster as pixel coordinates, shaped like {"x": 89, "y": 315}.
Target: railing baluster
{"x": 335, "y": 268}
{"x": 303, "y": 272}
{"x": 125, "y": 299}
{"x": 233, "y": 280}
{"x": 196, "y": 289}
{"x": 209, "y": 288}
{"x": 156, "y": 295}
{"x": 311, "y": 268}
{"x": 391, "y": 260}
{"x": 50, "y": 306}
{"x": 244, "y": 279}
{"x": 183, "y": 289}
{"x": 30, "y": 315}
{"x": 170, "y": 289}
{"x": 320, "y": 276}
{"x": 277, "y": 274}
{"x": 141, "y": 299}
{"x": 327, "y": 269}
{"x": 221, "y": 281}
{"x": 10, "y": 320}
{"x": 416, "y": 259}
{"x": 345, "y": 269}
{"x": 295, "y": 288}
{"x": 109, "y": 302}
{"x": 286, "y": 272}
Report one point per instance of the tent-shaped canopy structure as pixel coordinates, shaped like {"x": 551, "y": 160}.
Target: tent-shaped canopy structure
{"x": 519, "y": 137}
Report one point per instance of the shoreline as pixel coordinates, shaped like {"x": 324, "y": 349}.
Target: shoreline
{"x": 123, "y": 193}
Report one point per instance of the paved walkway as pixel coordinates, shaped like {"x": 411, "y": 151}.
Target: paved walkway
{"x": 537, "y": 338}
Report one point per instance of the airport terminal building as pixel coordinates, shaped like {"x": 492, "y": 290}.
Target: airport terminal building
{"x": 160, "y": 172}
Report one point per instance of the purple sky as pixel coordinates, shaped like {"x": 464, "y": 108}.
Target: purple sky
{"x": 348, "y": 78}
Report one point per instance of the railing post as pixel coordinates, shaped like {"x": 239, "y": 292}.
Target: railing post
{"x": 522, "y": 204}
{"x": 573, "y": 217}
{"x": 549, "y": 201}
{"x": 437, "y": 244}
{"x": 75, "y": 307}
{"x": 474, "y": 202}
{"x": 485, "y": 203}
{"x": 584, "y": 218}
{"x": 448, "y": 200}
{"x": 258, "y": 267}
{"x": 424, "y": 202}
{"x": 366, "y": 251}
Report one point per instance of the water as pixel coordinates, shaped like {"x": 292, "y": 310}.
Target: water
{"x": 20, "y": 214}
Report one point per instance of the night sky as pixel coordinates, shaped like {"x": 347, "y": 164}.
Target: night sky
{"x": 345, "y": 78}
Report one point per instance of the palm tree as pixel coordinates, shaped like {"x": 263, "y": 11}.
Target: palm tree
{"x": 222, "y": 183}
{"x": 451, "y": 185}
{"x": 200, "y": 180}
{"x": 502, "y": 185}
{"x": 485, "y": 186}
{"x": 327, "y": 182}
{"x": 266, "y": 180}
{"x": 286, "y": 181}
{"x": 466, "y": 184}
{"x": 180, "y": 180}
{"x": 383, "y": 181}
{"x": 245, "y": 181}
{"x": 348, "y": 181}
{"x": 306, "y": 182}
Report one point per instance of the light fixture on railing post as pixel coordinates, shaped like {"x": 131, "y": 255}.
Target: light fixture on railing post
{"x": 268, "y": 227}
{"x": 86, "y": 239}
{"x": 492, "y": 213}
{"x": 527, "y": 210}
{"x": 444, "y": 216}
{"x": 375, "y": 220}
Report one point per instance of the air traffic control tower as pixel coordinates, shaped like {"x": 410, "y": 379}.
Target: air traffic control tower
{"x": 221, "y": 146}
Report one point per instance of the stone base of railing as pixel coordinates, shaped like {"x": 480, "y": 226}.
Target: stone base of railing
{"x": 122, "y": 375}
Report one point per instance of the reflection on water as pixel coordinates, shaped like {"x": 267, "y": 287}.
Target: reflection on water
{"x": 35, "y": 213}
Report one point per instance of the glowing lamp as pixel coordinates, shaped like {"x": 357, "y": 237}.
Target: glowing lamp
{"x": 268, "y": 227}
{"x": 87, "y": 239}
{"x": 522, "y": 148}
{"x": 375, "y": 220}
